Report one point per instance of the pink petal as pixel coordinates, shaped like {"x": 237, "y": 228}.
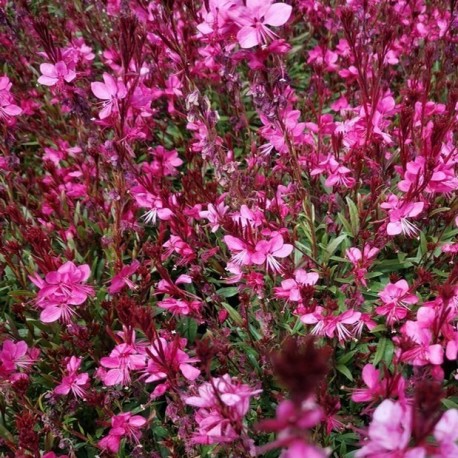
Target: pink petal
{"x": 190, "y": 372}
{"x": 100, "y": 91}
{"x": 50, "y": 314}
{"x": 137, "y": 421}
{"x": 113, "y": 377}
{"x": 247, "y": 37}
{"x": 277, "y": 14}
{"x": 106, "y": 111}
{"x": 370, "y": 375}
{"x": 394, "y": 228}
{"x": 233, "y": 243}
{"x": 436, "y": 354}
{"x": 47, "y": 81}
{"x": 12, "y": 110}
{"x": 48, "y": 70}
{"x": 284, "y": 251}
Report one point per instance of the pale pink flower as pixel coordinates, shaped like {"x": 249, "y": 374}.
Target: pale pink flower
{"x": 56, "y": 74}
{"x": 222, "y": 403}
{"x": 254, "y": 19}
{"x": 110, "y": 91}
{"x": 390, "y": 433}
{"x": 446, "y": 434}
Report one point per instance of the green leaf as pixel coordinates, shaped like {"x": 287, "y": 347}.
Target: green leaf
{"x": 354, "y": 217}
{"x": 345, "y": 371}
{"x": 233, "y": 314}
{"x": 228, "y": 292}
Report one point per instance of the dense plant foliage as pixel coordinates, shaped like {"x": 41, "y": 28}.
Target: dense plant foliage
{"x": 228, "y": 228}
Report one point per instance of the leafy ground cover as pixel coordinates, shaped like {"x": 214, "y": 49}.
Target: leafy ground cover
{"x": 228, "y": 228}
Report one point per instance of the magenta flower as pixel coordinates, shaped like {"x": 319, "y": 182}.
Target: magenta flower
{"x": 378, "y": 385}
{"x": 266, "y": 251}
{"x": 399, "y": 211}
{"x": 254, "y": 19}
{"x": 110, "y": 91}
{"x": 121, "y": 279}
{"x": 168, "y": 358}
{"x": 7, "y": 107}
{"x": 154, "y": 204}
{"x": 290, "y": 288}
{"x": 396, "y": 300}
{"x": 327, "y": 325}
{"x": 56, "y": 74}
{"x": 123, "y": 359}
{"x": 124, "y": 425}
{"x": 61, "y": 289}
{"x": 15, "y": 356}
{"x": 214, "y": 214}
{"x": 423, "y": 351}
{"x": 290, "y": 423}
{"x": 242, "y": 252}
{"x": 72, "y": 380}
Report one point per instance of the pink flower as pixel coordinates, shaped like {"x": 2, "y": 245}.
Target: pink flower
{"x": 73, "y": 381}
{"x": 337, "y": 174}
{"x": 216, "y": 17}
{"x": 7, "y": 107}
{"x": 399, "y": 211}
{"x": 121, "y": 279}
{"x": 423, "y": 351}
{"x": 446, "y": 434}
{"x": 61, "y": 289}
{"x": 110, "y": 91}
{"x": 124, "y": 425}
{"x": 327, "y": 325}
{"x": 168, "y": 358}
{"x": 123, "y": 359}
{"x": 214, "y": 214}
{"x": 148, "y": 200}
{"x": 266, "y": 251}
{"x": 290, "y": 423}
{"x": 222, "y": 403}
{"x": 254, "y": 19}
{"x": 56, "y": 74}
{"x": 396, "y": 300}
{"x": 242, "y": 251}
{"x": 15, "y": 356}
{"x": 361, "y": 261}
{"x": 291, "y": 288}
{"x": 377, "y": 385}
{"x": 389, "y": 433}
